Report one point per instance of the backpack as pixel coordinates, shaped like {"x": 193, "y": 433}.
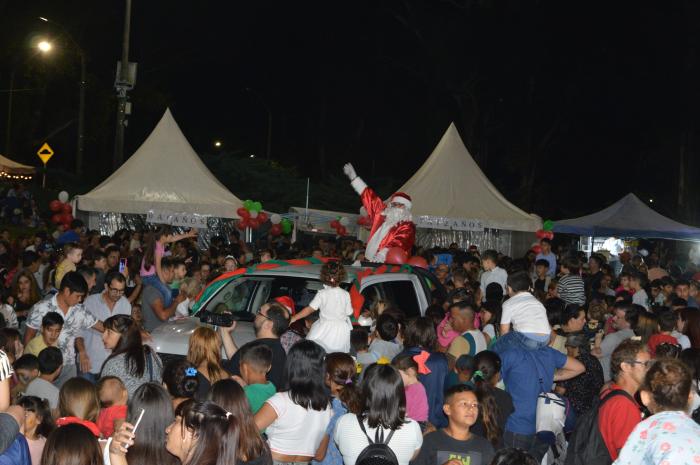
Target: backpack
{"x": 378, "y": 451}
{"x": 586, "y": 444}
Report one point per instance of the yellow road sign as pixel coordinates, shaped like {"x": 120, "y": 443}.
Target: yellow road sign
{"x": 45, "y": 152}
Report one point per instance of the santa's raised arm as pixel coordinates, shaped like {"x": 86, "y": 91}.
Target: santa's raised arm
{"x": 392, "y": 223}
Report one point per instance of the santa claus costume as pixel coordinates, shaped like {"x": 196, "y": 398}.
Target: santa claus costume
{"x": 392, "y": 224}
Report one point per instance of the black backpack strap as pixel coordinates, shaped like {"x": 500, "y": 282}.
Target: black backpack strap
{"x": 362, "y": 427}
{"x": 377, "y": 438}
{"x": 613, "y": 393}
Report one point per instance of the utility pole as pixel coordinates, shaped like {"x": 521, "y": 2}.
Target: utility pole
{"x": 123, "y": 86}
{"x": 8, "y": 132}
{"x": 81, "y": 117}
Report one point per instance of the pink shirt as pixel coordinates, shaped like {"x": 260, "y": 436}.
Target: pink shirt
{"x": 160, "y": 251}
{"x": 36, "y": 447}
{"x": 446, "y": 340}
{"x": 416, "y": 402}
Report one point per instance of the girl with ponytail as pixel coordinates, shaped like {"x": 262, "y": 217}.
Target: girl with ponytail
{"x": 202, "y": 434}
{"x": 341, "y": 379}
{"x": 496, "y": 405}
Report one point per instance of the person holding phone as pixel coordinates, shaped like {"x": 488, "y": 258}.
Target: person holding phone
{"x": 198, "y": 429}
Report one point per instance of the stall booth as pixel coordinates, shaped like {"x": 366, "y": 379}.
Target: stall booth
{"x": 163, "y": 182}
{"x": 454, "y": 202}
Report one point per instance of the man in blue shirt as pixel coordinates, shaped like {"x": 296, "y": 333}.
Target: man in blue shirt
{"x": 526, "y": 373}
{"x": 546, "y": 254}
{"x": 72, "y": 235}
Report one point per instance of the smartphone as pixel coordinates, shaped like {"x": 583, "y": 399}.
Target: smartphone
{"x": 122, "y": 264}
{"x": 136, "y": 425}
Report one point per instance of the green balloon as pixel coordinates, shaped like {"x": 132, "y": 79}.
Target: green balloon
{"x": 287, "y": 226}
{"x": 548, "y": 225}
{"x": 248, "y": 205}
{"x": 256, "y": 207}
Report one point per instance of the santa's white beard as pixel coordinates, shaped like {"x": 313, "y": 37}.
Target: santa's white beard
{"x": 394, "y": 215}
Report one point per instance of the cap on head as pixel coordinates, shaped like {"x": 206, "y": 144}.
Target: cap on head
{"x": 402, "y": 198}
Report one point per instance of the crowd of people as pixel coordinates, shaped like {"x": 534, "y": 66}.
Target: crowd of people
{"x": 548, "y": 358}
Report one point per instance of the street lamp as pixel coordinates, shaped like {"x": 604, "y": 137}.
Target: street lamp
{"x": 217, "y": 144}
{"x": 45, "y": 46}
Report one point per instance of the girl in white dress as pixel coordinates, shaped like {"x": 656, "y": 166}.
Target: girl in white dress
{"x": 332, "y": 330}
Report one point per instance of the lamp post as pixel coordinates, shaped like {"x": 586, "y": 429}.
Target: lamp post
{"x": 122, "y": 86}
{"x": 83, "y": 83}
{"x": 44, "y": 47}
{"x": 268, "y": 153}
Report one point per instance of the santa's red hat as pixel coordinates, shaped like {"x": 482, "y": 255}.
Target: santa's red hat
{"x": 288, "y": 303}
{"x": 402, "y": 198}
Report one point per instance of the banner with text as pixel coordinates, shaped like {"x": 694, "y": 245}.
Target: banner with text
{"x": 185, "y": 220}
{"x": 455, "y": 224}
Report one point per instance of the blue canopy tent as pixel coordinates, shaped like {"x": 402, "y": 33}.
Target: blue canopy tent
{"x": 628, "y": 217}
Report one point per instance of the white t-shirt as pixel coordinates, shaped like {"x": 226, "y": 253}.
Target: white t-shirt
{"x": 296, "y": 431}
{"x": 183, "y": 308}
{"x": 350, "y": 439}
{"x": 526, "y": 313}
{"x": 497, "y": 275}
{"x": 641, "y": 298}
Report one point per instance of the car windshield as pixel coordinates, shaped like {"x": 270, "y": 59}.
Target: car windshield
{"x": 249, "y": 293}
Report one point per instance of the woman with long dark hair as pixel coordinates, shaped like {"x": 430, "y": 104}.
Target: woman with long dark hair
{"x": 202, "y": 433}
{"x": 131, "y": 361}
{"x": 383, "y": 415}
{"x": 25, "y": 293}
{"x": 495, "y": 405}
{"x": 296, "y": 418}
{"x": 149, "y": 445}
{"x": 252, "y": 448}
{"x": 38, "y": 424}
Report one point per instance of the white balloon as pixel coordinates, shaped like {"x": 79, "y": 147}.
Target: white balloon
{"x": 275, "y": 218}
{"x": 253, "y": 214}
{"x": 63, "y": 196}
{"x": 344, "y": 221}
{"x": 363, "y": 211}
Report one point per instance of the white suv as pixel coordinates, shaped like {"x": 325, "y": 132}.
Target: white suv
{"x": 410, "y": 289}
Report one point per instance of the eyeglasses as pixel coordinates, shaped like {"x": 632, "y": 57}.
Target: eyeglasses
{"x": 259, "y": 312}
{"x": 116, "y": 291}
{"x": 646, "y": 363}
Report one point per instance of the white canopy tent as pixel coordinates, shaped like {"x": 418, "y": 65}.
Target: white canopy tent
{"x": 451, "y": 185}
{"x": 164, "y": 175}
{"x": 10, "y": 169}
{"x": 453, "y": 201}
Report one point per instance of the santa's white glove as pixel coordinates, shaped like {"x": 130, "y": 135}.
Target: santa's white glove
{"x": 380, "y": 257}
{"x": 349, "y": 171}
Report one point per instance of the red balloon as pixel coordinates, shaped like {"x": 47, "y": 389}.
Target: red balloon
{"x": 56, "y": 218}
{"x": 549, "y": 235}
{"x": 418, "y": 261}
{"x": 541, "y": 234}
{"x": 262, "y": 217}
{"x": 243, "y": 213}
{"x": 66, "y": 218}
{"x": 241, "y": 225}
{"x": 67, "y": 208}
{"x": 341, "y": 230}
{"x": 276, "y": 230}
{"x": 335, "y": 224}
{"x": 253, "y": 223}
{"x": 396, "y": 256}
{"x": 536, "y": 248}
{"x": 55, "y": 206}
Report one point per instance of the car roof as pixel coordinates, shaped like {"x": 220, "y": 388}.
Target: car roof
{"x": 309, "y": 271}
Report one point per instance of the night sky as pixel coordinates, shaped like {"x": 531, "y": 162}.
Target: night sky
{"x": 567, "y": 106}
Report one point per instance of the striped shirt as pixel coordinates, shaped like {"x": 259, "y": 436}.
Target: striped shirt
{"x": 571, "y": 289}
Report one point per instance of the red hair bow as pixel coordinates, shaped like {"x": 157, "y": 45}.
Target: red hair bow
{"x": 420, "y": 359}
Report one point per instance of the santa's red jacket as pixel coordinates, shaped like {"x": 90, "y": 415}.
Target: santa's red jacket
{"x": 402, "y": 235}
